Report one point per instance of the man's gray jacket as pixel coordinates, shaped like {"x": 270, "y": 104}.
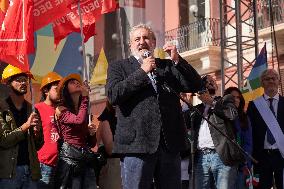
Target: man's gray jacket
{"x": 144, "y": 115}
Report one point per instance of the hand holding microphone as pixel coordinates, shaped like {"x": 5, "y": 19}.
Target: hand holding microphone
{"x": 149, "y": 63}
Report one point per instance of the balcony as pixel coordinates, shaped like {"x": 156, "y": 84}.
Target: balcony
{"x": 198, "y": 43}
{"x": 264, "y": 23}
{"x": 264, "y": 13}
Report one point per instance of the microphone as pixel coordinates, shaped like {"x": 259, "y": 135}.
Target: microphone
{"x": 153, "y": 73}
{"x": 146, "y": 54}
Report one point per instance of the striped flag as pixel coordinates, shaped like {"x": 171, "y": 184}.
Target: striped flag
{"x": 252, "y": 88}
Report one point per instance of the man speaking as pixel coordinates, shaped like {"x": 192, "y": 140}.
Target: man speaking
{"x": 150, "y": 129}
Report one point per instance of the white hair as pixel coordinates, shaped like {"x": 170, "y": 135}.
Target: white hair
{"x": 268, "y": 72}
{"x": 144, "y": 26}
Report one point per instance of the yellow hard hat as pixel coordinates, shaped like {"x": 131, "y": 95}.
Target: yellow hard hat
{"x": 65, "y": 79}
{"x": 10, "y": 71}
{"x": 50, "y": 78}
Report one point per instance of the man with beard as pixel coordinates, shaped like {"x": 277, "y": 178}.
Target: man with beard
{"x": 20, "y": 134}
{"x": 48, "y": 154}
{"x": 150, "y": 131}
{"x": 214, "y": 162}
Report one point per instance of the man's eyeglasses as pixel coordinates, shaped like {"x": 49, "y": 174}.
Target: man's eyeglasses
{"x": 270, "y": 78}
{"x": 21, "y": 79}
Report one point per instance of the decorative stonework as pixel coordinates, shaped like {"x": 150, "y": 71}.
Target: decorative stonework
{"x": 205, "y": 59}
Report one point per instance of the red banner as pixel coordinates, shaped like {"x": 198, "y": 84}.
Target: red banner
{"x": 16, "y": 33}
{"x": 20, "y": 61}
{"x": 46, "y": 11}
{"x": 109, "y": 6}
{"x": 90, "y": 10}
{"x": 4, "y": 4}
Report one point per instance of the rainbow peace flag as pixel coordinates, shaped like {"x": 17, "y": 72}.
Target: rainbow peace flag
{"x": 252, "y": 88}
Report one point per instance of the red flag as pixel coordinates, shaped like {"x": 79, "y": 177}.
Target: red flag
{"x": 16, "y": 33}
{"x": 91, "y": 11}
{"x": 109, "y": 6}
{"x": 20, "y": 61}
{"x": 3, "y": 8}
{"x": 46, "y": 11}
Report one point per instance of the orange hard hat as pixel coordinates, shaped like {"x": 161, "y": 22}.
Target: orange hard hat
{"x": 65, "y": 79}
{"x": 10, "y": 71}
{"x": 50, "y": 78}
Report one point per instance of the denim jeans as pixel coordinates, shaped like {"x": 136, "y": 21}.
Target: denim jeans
{"x": 48, "y": 175}
{"x": 138, "y": 172}
{"x": 211, "y": 170}
{"x": 23, "y": 180}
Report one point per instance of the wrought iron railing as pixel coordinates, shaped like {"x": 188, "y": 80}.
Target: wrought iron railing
{"x": 263, "y": 12}
{"x": 204, "y": 32}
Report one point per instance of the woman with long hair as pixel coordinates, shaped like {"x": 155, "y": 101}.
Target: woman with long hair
{"x": 244, "y": 135}
{"x": 75, "y": 167}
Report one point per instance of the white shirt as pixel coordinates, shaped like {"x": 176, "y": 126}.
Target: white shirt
{"x": 275, "y": 101}
{"x": 204, "y": 135}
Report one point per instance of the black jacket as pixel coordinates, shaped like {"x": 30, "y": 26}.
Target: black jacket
{"x": 10, "y": 137}
{"x": 144, "y": 115}
{"x": 259, "y": 128}
{"x": 222, "y": 116}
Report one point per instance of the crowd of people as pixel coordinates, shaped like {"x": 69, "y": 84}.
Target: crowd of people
{"x": 147, "y": 137}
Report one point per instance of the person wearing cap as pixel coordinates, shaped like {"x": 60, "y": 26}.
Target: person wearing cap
{"x": 48, "y": 154}
{"x": 20, "y": 134}
{"x": 75, "y": 163}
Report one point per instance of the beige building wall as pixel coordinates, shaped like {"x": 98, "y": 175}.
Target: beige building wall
{"x": 171, "y": 14}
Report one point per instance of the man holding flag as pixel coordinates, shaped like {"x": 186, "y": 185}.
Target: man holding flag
{"x": 20, "y": 134}
{"x": 268, "y": 128}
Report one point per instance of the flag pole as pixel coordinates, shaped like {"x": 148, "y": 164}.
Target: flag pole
{"x": 32, "y": 95}
{"x": 86, "y": 70}
{"x": 121, "y": 33}
{"x": 85, "y": 73}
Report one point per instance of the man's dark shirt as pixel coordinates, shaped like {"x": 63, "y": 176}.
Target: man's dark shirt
{"x": 20, "y": 117}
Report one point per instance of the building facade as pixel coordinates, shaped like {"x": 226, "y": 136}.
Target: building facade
{"x": 194, "y": 26}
